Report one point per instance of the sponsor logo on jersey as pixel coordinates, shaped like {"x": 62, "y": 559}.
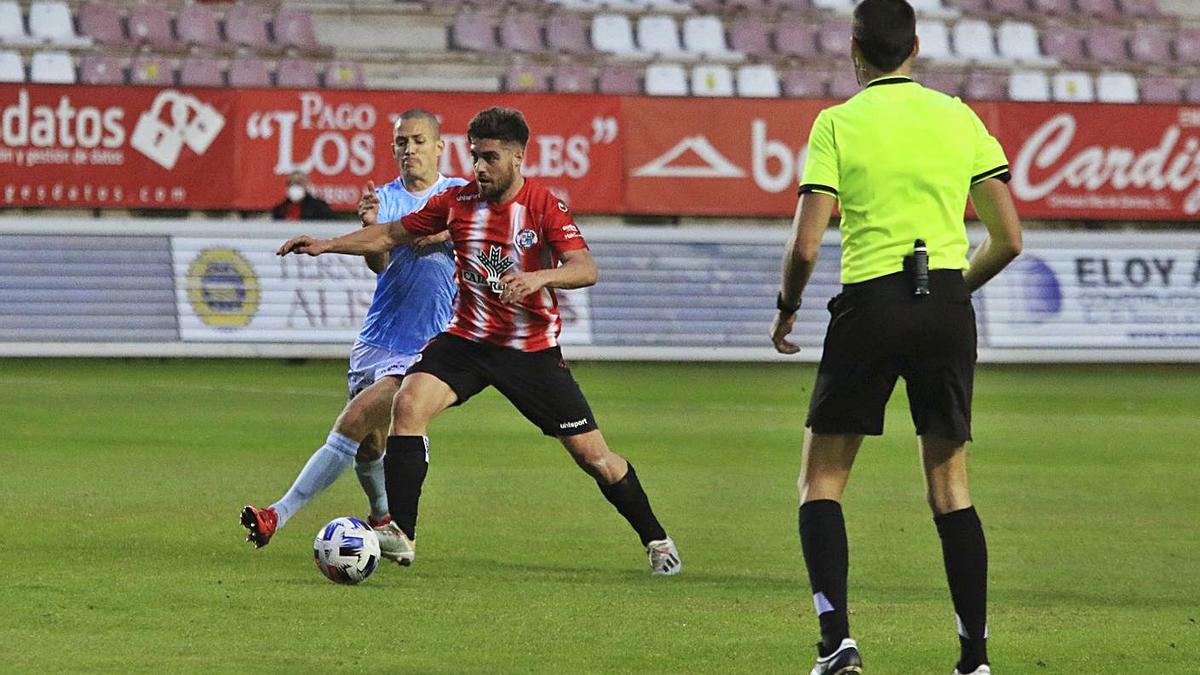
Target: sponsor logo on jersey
{"x": 495, "y": 264}
{"x": 223, "y": 288}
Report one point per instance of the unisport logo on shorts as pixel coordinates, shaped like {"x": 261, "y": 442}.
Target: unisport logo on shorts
{"x": 573, "y": 425}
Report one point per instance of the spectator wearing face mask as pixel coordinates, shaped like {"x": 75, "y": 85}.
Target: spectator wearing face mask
{"x": 299, "y": 202}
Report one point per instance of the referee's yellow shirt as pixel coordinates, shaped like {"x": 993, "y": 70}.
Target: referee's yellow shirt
{"x": 901, "y": 160}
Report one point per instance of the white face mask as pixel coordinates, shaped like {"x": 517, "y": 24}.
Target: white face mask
{"x": 296, "y": 193}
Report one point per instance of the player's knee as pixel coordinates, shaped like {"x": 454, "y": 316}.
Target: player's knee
{"x": 409, "y": 409}
{"x": 353, "y": 423}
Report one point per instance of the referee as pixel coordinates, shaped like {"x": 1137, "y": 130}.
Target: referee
{"x": 901, "y": 160}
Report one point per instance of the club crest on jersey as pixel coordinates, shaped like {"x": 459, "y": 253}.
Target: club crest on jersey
{"x": 526, "y": 239}
{"x": 495, "y": 263}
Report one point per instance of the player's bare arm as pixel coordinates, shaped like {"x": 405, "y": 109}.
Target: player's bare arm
{"x": 368, "y": 213}
{"x": 808, "y": 226}
{"x": 995, "y": 207}
{"x": 378, "y": 238}
{"x": 578, "y": 270}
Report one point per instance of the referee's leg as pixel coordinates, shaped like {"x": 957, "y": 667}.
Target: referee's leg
{"x": 964, "y": 548}
{"x": 825, "y": 469}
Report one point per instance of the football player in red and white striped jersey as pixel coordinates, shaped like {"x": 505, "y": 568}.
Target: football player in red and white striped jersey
{"x": 515, "y": 243}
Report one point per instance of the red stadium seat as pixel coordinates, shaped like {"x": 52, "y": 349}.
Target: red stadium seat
{"x": 197, "y": 26}
{"x": 345, "y": 75}
{"x": 1053, "y": 7}
{"x": 1162, "y": 89}
{"x": 527, "y": 77}
{"x": 151, "y": 69}
{"x": 833, "y": 38}
{"x": 1187, "y": 46}
{"x": 474, "y": 32}
{"x": 101, "y": 69}
{"x": 149, "y": 24}
{"x": 567, "y": 33}
{"x": 984, "y": 85}
{"x": 573, "y": 79}
{"x": 102, "y": 22}
{"x": 947, "y": 82}
{"x": 1191, "y": 92}
{"x": 522, "y": 32}
{"x": 751, "y": 36}
{"x": 1010, "y": 7}
{"x": 198, "y": 71}
{"x": 1063, "y": 43}
{"x": 1151, "y": 45}
{"x": 619, "y": 79}
{"x": 843, "y": 84}
{"x": 293, "y": 29}
{"x": 1106, "y": 9}
{"x": 793, "y": 38}
{"x": 245, "y": 26}
{"x": 296, "y": 74}
{"x": 249, "y": 72}
{"x": 1107, "y": 45}
{"x": 1140, "y": 8}
{"x": 803, "y": 83}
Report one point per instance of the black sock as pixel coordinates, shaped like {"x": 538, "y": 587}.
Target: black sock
{"x": 827, "y": 555}
{"x": 964, "y": 551}
{"x": 631, "y": 501}
{"x": 404, "y": 469}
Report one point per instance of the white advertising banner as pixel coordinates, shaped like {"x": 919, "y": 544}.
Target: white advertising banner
{"x": 233, "y": 289}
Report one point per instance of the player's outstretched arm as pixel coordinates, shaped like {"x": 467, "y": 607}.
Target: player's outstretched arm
{"x": 377, "y": 238}
{"x": 578, "y": 269}
{"x": 995, "y": 207}
{"x": 808, "y": 226}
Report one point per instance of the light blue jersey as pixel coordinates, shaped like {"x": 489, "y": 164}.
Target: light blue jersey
{"x": 414, "y": 296}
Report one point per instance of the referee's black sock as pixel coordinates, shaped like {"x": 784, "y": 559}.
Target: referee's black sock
{"x": 632, "y": 503}
{"x": 827, "y": 556}
{"x": 964, "y": 551}
{"x": 404, "y": 469}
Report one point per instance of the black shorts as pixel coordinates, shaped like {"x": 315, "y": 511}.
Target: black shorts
{"x": 539, "y": 384}
{"x": 879, "y": 331}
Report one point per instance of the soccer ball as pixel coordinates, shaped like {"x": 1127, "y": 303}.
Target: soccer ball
{"x": 346, "y": 550}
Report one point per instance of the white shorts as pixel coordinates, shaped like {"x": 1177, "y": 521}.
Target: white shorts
{"x": 368, "y": 364}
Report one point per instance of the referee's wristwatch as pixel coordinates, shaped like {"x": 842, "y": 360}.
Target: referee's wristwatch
{"x": 786, "y": 309}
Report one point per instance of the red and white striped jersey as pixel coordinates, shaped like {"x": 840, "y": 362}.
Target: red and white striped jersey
{"x": 527, "y": 233}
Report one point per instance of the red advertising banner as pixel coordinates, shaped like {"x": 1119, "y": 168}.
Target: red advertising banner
{"x": 343, "y": 138}
{"x": 127, "y": 147}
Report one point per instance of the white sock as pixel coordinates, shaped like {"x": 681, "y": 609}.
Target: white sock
{"x": 370, "y": 476}
{"x": 325, "y": 465}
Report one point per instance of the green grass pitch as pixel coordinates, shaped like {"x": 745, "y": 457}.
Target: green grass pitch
{"x": 121, "y": 482}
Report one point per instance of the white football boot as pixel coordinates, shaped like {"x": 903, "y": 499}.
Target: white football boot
{"x": 394, "y": 545}
{"x": 845, "y": 660}
{"x": 981, "y": 670}
{"x": 664, "y": 557}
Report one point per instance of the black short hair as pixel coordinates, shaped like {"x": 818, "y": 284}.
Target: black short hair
{"x": 885, "y": 31}
{"x": 422, "y": 114}
{"x": 501, "y": 124}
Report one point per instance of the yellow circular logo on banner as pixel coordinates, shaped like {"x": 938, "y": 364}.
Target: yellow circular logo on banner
{"x": 223, "y": 288}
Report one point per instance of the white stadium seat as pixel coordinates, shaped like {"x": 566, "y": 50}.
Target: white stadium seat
{"x": 1073, "y": 86}
{"x": 11, "y": 68}
{"x": 1114, "y": 87}
{"x": 666, "y": 79}
{"x": 759, "y": 81}
{"x": 658, "y": 35}
{"x": 12, "y": 25}
{"x": 973, "y": 40}
{"x": 712, "y": 79}
{"x": 1018, "y": 41}
{"x": 1028, "y": 85}
{"x": 613, "y": 33}
{"x": 52, "y": 68}
{"x": 51, "y": 22}
{"x": 706, "y": 35}
{"x": 935, "y": 41}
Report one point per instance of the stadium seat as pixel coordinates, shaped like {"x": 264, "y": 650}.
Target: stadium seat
{"x": 1063, "y": 43}
{"x": 1191, "y": 92}
{"x": 296, "y": 74}
{"x": 973, "y": 39}
{"x": 985, "y": 85}
{"x": 344, "y": 75}
{"x": 975, "y": 7}
{"x": 657, "y": 34}
{"x": 245, "y": 26}
{"x": 1162, "y": 89}
{"x": 571, "y": 79}
{"x": 668, "y": 6}
{"x": 613, "y": 34}
{"x": 1073, "y": 86}
{"x": 712, "y": 79}
{"x": 1147, "y": 9}
{"x": 1018, "y": 41}
{"x": 793, "y": 6}
{"x": 935, "y": 41}
{"x": 1105, "y": 9}
{"x": 294, "y": 29}
{"x": 50, "y": 21}
{"x": 619, "y": 79}
{"x": 474, "y": 31}
{"x": 12, "y": 25}
{"x": 748, "y": 6}
{"x": 1107, "y": 45}
{"x": 149, "y": 69}
{"x": 842, "y": 84}
{"x": 149, "y": 24}
{"x": 666, "y": 79}
{"x": 521, "y": 32}
{"x": 11, "y": 67}
{"x": 803, "y": 83}
{"x": 947, "y": 82}
{"x": 1187, "y": 46}
{"x": 196, "y": 25}
{"x": 567, "y": 33}
{"x": 843, "y": 6}
{"x": 759, "y": 80}
{"x": 100, "y": 69}
{"x": 796, "y": 38}
{"x": 1150, "y": 45}
{"x": 1010, "y": 7}
{"x": 1116, "y": 87}
{"x": 102, "y": 22}
{"x": 199, "y": 71}
{"x": 249, "y": 72}
{"x": 833, "y": 38}
{"x": 1053, "y": 7}
{"x": 933, "y": 9}
{"x": 1028, "y": 85}
{"x": 751, "y": 36}
{"x": 527, "y": 77}
{"x": 706, "y": 35}
{"x": 52, "y": 68}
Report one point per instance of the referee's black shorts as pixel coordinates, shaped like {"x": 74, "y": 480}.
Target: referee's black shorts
{"x": 879, "y": 331}
{"x": 539, "y": 383}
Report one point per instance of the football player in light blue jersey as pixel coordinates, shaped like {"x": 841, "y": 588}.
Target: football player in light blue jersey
{"x": 414, "y": 297}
